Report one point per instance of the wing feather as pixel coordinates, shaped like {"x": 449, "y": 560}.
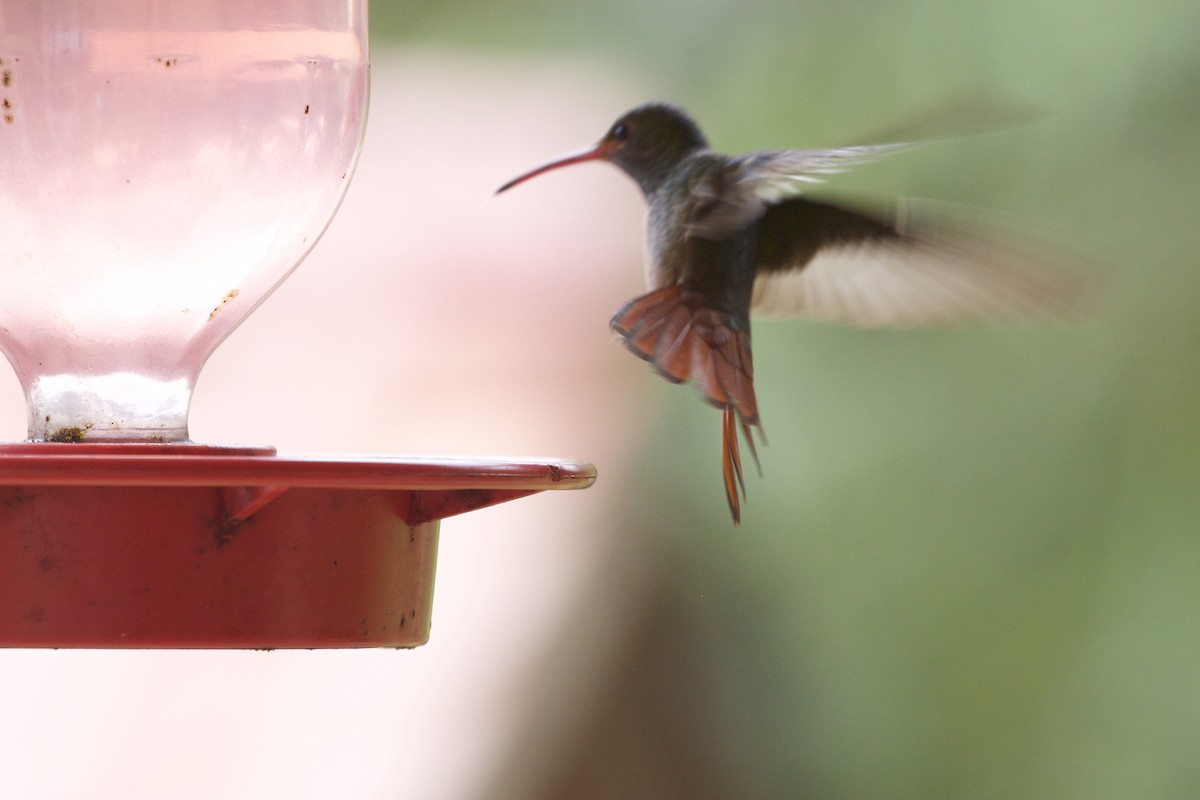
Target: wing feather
{"x": 727, "y": 201}
{"x": 917, "y": 263}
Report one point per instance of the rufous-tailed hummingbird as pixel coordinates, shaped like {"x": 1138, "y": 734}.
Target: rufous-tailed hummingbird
{"x": 730, "y": 235}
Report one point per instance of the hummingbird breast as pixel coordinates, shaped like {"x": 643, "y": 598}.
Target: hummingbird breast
{"x": 664, "y": 252}
{"x": 671, "y": 206}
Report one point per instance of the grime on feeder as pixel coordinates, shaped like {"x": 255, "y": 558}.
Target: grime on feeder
{"x": 232, "y": 293}
{"x": 69, "y": 434}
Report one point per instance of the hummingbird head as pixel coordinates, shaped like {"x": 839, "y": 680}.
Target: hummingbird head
{"x": 647, "y": 143}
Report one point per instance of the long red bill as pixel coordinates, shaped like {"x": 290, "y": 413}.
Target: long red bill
{"x": 593, "y": 153}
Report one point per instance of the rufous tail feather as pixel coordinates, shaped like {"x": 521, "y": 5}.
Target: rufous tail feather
{"x": 684, "y": 340}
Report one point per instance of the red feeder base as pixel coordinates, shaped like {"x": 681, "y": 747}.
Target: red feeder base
{"x": 107, "y": 545}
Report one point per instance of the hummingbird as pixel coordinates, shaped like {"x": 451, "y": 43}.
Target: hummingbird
{"x": 731, "y": 235}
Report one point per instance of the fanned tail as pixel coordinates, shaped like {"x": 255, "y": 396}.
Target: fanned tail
{"x": 685, "y": 340}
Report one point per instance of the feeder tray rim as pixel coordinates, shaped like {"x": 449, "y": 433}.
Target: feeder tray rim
{"x": 185, "y": 464}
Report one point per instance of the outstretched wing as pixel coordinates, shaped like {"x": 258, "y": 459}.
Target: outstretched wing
{"x": 730, "y": 199}
{"x": 894, "y": 262}
{"x": 903, "y": 263}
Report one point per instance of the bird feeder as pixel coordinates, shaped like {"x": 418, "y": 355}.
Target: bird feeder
{"x": 163, "y": 168}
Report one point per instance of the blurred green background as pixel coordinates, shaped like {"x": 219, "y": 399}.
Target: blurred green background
{"x": 971, "y": 569}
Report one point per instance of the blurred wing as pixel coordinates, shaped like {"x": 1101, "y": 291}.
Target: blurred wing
{"x": 913, "y": 263}
{"x": 727, "y": 200}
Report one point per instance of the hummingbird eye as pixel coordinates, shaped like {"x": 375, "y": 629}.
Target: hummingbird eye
{"x": 620, "y": 132}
